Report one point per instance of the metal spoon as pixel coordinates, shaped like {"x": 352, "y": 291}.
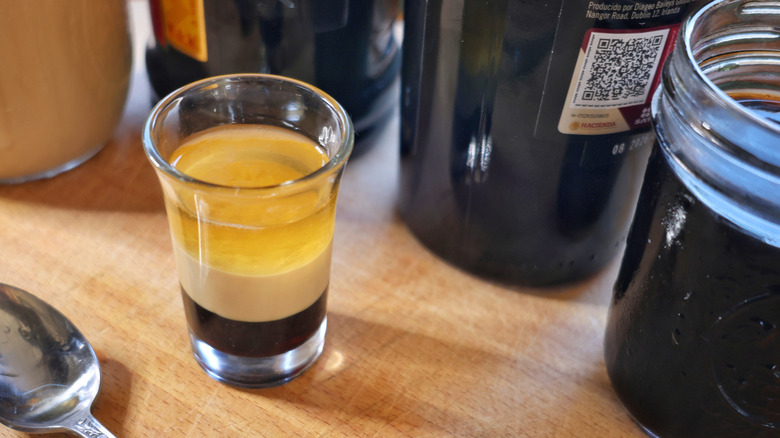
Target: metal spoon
{"x": 49, "y": 374}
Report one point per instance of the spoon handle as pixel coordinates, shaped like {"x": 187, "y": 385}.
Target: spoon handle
{"x": 87, "y": 426}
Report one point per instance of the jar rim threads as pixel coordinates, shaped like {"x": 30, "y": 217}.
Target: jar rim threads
{"x": 707, "y": 113}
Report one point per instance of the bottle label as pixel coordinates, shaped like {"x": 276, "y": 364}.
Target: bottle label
{"x": 182, "y": 24}
{"x": 616, "y": 72}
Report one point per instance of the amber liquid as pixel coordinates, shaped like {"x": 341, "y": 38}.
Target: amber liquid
{"x": 254, "y": 262}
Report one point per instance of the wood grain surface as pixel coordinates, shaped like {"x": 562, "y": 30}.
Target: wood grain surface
{"x": 414, "y": 347}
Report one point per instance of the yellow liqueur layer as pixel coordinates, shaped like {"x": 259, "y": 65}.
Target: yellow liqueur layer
{"x": 248, "y": 156}
{"x": 243, "y": 254}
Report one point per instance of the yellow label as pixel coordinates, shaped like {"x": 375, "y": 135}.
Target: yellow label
{"x": 185, "y": 27}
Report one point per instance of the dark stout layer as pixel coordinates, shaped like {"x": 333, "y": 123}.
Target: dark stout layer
{"x": 254, "y": 339}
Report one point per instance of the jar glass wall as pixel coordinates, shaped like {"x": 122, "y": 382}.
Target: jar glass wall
{"x": 693, "y": 335}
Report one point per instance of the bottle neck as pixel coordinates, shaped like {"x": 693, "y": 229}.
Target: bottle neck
{"x": 717, "y": 112}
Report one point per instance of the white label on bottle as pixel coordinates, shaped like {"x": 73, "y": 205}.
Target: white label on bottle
{"x": 612, "y": 84}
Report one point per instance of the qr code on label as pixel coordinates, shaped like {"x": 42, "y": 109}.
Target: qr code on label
{"x": 619, "y": 68}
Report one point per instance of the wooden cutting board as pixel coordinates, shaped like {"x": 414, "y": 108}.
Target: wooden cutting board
{"x": 415, "y": 347}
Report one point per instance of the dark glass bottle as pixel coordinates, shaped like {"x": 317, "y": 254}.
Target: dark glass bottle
{"x": 508, "y": 168}
{"x": 345, "y": 47}
{"x": 692, "y": 343}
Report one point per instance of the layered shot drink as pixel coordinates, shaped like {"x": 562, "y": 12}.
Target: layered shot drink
{"x": 251, "y": 207}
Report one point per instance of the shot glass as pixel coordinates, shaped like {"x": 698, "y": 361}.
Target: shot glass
{"x": 250, "y": 167}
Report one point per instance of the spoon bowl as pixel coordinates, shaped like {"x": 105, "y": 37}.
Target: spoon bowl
{"x": 49, "y": 373}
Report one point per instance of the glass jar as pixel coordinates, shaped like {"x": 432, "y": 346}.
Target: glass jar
{"x": 63, "y": 83}
{"x": 692, "y": 343}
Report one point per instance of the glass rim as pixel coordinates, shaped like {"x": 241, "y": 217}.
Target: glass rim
{"x": 334, "y": 163}
{"x": 686, "y": 38}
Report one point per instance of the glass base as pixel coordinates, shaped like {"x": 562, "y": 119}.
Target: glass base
{"x": 50, "y": 173}
{"x": 259, "y": 372}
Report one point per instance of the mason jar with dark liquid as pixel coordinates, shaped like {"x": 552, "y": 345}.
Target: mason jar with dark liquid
{"x": 525, "y": 130}
{"x": 692, "y": 343}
